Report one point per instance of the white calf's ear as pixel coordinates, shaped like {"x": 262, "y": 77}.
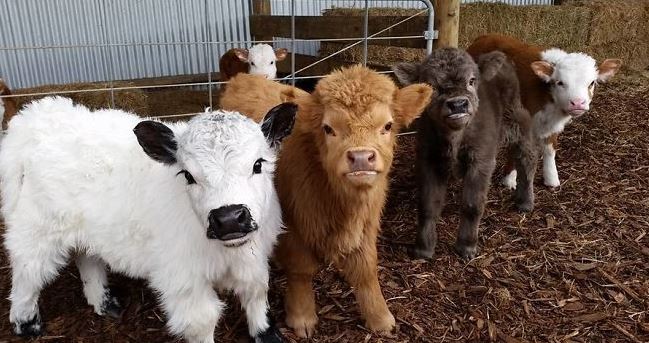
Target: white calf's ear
{"x": 280, "y": 54}
{"x": 279, "y": 122}
{"x": 406, "y": 73}
{"x": 543, "y": 70}
{"x": 242, "y": 54}
{"x": 608, "y": 68}
{"x": 157, "y": 141}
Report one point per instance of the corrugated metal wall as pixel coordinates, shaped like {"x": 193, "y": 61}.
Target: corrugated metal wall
{"x": 62, "y": 41}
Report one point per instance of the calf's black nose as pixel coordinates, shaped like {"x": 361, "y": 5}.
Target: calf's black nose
{"x": 458, "y": 105}
{"x": 230, "y": 222}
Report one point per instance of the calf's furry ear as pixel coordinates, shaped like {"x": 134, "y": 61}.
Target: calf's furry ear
{"x": 279, "y": 122}
{"x": 543, "y": 70}
{"x": 242, "y": 54}
{"x": 490, "y": 64}
{"x": 406, "y": 73}
{"x": 280, "y": 54}
{"x": 157, "y": 140}
{"x": 410, "y": 101}
{"x": 608, "y": 68}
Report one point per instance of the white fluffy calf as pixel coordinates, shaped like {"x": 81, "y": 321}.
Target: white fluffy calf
{"x": 199, "y": 211}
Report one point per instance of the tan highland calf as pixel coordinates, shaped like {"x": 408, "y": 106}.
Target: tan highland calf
{"x": 332, "y": 180}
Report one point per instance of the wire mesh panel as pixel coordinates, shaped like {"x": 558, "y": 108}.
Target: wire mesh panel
{"x": 156, "y": 45}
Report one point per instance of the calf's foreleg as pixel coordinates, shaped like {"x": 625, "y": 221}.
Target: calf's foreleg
{"x": 550, "y": 173}
{"x": 300, "y": 266}
{"x": 526, "y": 158}
{"x": 477, "y": 179}
{"x": 433, "y": 181}
{"x": 253, "y": 295}
{"x": 361, "y": 272}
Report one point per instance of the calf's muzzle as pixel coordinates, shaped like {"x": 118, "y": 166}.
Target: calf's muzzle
{"x": 230, "y": 222}
{"x": 361, "y": 160}
{"x": 458, "y": 104}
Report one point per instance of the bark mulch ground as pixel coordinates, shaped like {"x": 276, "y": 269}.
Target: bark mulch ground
{"x": 574, "y": 270}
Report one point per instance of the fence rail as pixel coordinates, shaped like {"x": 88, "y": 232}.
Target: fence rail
{"x": 71, "y": 41}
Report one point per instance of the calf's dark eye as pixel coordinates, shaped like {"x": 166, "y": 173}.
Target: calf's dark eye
{"x": 188, "y": 176}
{"x": 328, "y": 130}
{"x": 252, "y": 63}
{"x": 256, "y": 168}
{"x": 388, "y": 127}
{"x": 560, "y": 83}
{"x": 472, "y": 81}
{"x": 272, "y": 62}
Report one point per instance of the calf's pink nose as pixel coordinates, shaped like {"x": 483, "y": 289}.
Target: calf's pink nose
{"x": 361, "y": 160}
{"x": 578, "y": 102}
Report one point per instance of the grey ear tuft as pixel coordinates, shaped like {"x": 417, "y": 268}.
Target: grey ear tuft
{"x": 406, "y": 73}
{"x": 279, "y": 122}
{"x": 157, "y": 141}
{"x": 490, "y": 64}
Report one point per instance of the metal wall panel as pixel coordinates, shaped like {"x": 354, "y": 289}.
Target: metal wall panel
{"x": 62, "y": 41}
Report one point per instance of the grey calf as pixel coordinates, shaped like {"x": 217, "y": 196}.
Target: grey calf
{"x": 477, "y": 109}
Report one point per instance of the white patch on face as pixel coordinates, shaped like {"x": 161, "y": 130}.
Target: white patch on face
{"x": 572, "y": 80}
{"x": 220, "y": 152}
{"x": 550, "y": 120}
{"x": 262, "y": 60}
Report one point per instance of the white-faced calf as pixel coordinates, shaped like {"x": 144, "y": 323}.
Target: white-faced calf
{"x": 260, "y": 59}
{"x": 189, "y": 208}
{"x": 478, "y": 105}
{"x": 556, "y": 86}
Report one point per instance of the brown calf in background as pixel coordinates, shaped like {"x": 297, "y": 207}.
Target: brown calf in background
{"x": 8, "y": 106}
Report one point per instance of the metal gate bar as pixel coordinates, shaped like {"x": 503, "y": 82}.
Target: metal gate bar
{"x": 108, "y": 53}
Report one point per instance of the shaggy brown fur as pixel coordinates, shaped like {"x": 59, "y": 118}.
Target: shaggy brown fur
{"x": 460, "y": 134}
{"x": 230, "y": 64}
{"x": 10, "y": 107}
{"x": 258, "y": 98}
{"x": 332, "y": 179}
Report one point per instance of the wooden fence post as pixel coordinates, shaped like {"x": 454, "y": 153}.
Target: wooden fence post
{"x": 447, "y": 22}
{"x": 261, "y": 7}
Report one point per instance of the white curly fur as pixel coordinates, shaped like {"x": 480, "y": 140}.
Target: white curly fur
{"x": 77, "y": 182}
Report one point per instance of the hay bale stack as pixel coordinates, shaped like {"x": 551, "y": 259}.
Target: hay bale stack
{"x": 618, "y": 29}
{"x": 605, "y": 29}
{"x": 131, "y": 100}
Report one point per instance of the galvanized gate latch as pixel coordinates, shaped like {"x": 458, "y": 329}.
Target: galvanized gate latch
{"x": 430, "y": 35}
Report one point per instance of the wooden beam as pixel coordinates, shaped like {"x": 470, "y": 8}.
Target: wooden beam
{"x": 322, "y": 68}
{"x": 260, "y": 7}
{"x": 322, "y": 27}
{"x": 172, "y": 80}
{"x": 447, "y": 22}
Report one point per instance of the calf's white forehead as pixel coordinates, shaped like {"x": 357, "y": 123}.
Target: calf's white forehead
{"x": 575, "y": 66}
{"x": 261, "y": 54}
{"x": 221, "y": 130}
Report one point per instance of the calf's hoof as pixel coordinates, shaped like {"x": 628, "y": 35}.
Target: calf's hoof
{"x": 383, "y": 324}
{"x": 31, "y": 328}
{"x": 466, "y": 251}
{"x": 551, "y": 182}
{"x": 271, "y": 335}
{"x": 421, "y": 253}
{"x": 303, "y": 326}
{"x": 525, "y": 206}
{"x": 111, "y": 306}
